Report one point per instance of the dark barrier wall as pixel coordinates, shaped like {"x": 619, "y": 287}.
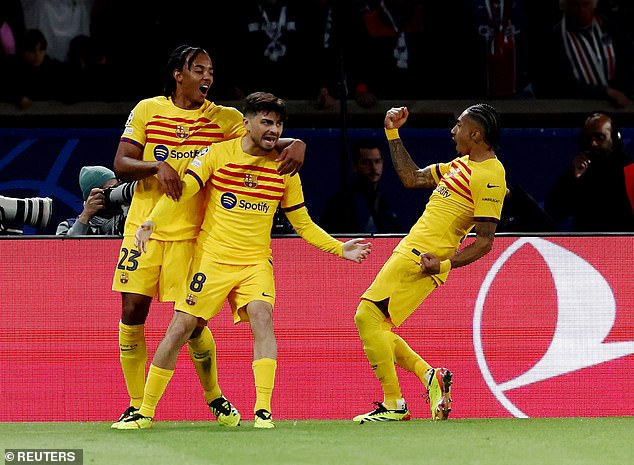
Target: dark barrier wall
{"x": 539, "y": 327}
{"x": 46, "y": 162}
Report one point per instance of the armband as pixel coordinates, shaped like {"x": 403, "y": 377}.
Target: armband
{"x": 445, "y": 266}
{"x": 392, "y": 134}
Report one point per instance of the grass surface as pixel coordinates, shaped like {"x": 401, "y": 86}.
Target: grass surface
{"x": 569, "y": 441}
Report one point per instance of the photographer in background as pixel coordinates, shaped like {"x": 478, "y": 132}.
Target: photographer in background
{"x": 597, "y": 190}
{"x": 106, "y": 203}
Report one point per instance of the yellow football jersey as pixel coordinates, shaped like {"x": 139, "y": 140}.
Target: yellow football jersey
{"x": 467, "y": 192}
{"x": 176, "y": 136}
{"x": 245, "y": 192}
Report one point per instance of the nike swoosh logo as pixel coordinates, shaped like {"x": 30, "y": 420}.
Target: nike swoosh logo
{"x": 267, "y": 295}
{"x": 490, "y": 186}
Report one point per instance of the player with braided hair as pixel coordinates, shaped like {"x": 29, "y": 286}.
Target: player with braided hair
{"x": 468, "y": 194}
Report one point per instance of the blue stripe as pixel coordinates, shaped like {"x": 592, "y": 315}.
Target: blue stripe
{"x": 201, "y": 184}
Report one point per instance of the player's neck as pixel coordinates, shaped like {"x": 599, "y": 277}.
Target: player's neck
{"x": 481, "y": 153}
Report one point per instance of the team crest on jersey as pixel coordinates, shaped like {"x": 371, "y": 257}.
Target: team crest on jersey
{"x": 182, "y": 132}
{"x": 124, "y": 278}
{"x": 191, "y": 299}
{"x": 250, "y": 180}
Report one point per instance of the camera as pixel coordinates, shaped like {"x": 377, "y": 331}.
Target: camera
{"x": 119, "y": 195}
{"x": 34, "y": 211}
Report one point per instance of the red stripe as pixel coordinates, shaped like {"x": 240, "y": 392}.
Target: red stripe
{"x": 241, "y": 184}
{"x": 294, "y": 207}
{"x": 450, "y": 187}
{"x": 201, "y": 184}
{"x": 438, "y": 172}
{"x": 155, "y": 140}
{"x": 240, "y": 175}
{"x": 248, "y": 194}
{"x": 251, "y": 167}
{"x": 461, "y": 186}
{"x": 629, "y": 183}
{"x": 131, "y": 141}
{"x": 463, "y": 165}
{"x": 485, "y": 219}
{"x": 585, "y": 68}
{"x": 188, "y": 121}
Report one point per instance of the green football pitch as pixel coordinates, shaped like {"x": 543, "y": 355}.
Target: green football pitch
{"x": 561, "y": 441}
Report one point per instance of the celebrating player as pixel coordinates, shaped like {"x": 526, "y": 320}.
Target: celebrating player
{"x": 469, "y": 192}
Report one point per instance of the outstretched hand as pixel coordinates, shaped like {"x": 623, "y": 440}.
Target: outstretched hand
{"x": 395, "y": 117}
{"x": 429, "y": 263}
{"x": 142, "y": 235}
{"x": 356, "y": 251}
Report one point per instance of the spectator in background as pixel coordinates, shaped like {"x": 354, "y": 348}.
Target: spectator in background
{"x": 334, "y": 29}
{"x": 89, "y": 73}
{"x": 104, "y": 210}
{"x": 597, "y": 191}
{"x": 59, "y": 21}
{"x": 276, "y": 31}
{"x": 34, "y": 75}
{"x": 504, "y": 48}
{"x": 390, "y": 59}
{"x": 619, "y": 11}
{"x": 362, "y": 206}
{"x": 587, "y": 56}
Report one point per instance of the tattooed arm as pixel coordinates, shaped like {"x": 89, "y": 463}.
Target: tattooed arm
{"x": 409, "y": 173}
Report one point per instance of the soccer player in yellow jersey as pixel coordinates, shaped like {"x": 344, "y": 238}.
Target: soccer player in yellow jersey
{"x": 469, "y": 193}
{"x": 161, "y": 137}
{"x": 233, "y": 255}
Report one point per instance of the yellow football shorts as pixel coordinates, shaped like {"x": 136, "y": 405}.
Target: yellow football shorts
{"x": 159, "y": 271}
{"x": 211, "y": 283}
{"x": 401, "y": 280}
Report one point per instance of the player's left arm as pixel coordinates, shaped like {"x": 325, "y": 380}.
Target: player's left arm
{"x": 482, "y": 245}
{"x": 355, "y": 250}
{"x": 292, "y": 154}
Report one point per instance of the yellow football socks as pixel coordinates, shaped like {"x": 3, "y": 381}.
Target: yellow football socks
{"x": 378, "y": 344}
{"x": 157, "y": 381}
{"x": 202, "y": 351}
{"x": 264, "y": 375}
{"x": 409, "y": 360}
{"x": 133, "y": 356}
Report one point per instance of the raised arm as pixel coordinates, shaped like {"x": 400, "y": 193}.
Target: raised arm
{"x": 409, "y": 173}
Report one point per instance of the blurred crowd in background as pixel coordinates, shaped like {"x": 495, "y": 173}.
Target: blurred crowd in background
{"x": 321, "y": 50}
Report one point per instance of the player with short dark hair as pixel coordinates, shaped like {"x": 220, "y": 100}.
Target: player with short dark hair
{"x": 469, "y": 193}
{"x": 233, "y": 256}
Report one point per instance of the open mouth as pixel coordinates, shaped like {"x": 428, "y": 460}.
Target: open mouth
{"x": 204, "y": 89}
